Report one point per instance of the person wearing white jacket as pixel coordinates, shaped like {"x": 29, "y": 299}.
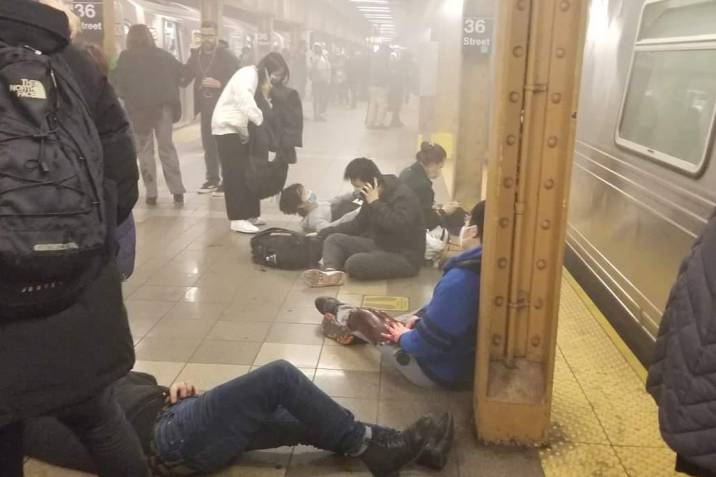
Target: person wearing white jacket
{"x": 230, "y": 126}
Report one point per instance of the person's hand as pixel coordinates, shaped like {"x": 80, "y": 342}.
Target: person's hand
{"x": 411, "y": 322}
{"x": 370, "y": 192}
{"x": 181, "y": 390}
{"x": 211, "y": 83}
{"x": 394, "y": 331}
{"x": 451, "y": 207}
{"x": 244, "y": 135}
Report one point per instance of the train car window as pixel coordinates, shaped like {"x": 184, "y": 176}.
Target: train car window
{"x": 669, "y": 107}
{"x": 677, "y": 18}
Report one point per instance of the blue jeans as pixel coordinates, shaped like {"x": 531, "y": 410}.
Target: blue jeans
{"x": 275, "y": 405}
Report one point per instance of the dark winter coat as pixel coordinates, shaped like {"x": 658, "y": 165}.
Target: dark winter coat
{"x": 288, "y": 122}
{"x": 417, "y": 179}
{"x": 221, "y": 66}
{"x": 50, "y": 362}
{"x": 395, "y": 222}
{"x": 147, "y": 79}
{"x": 682, "y": 377}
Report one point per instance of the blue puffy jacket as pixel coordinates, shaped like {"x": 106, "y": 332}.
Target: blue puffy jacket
{"x": 443, "y": 342}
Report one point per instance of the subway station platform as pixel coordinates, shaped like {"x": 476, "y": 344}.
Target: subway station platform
{"x": 201, "y": 311}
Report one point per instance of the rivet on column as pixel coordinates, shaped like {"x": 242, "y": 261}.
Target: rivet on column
{"x": 541, "y": 264}
{"x": 504, "y": 222}
{"x": 546, "y": 224}
{"x": 552, "y": 141}
{"x": 549, "y": 184}
{"x": 508, "y": 183}
{"x": 560, "y": 52}
{"x": 557, "y": 98}
{"x": 518, "y": 51}
{"x": 496, "y": 340}
{"x": 514, "y": 96}
{"x": 499, "y": 301}
{"x": 502, "y": 263}
{"x": 536, "y": 341}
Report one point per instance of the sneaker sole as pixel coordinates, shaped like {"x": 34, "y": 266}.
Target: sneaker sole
{"x": 317, "y": 279}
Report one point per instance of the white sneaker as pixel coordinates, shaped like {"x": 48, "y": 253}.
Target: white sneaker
{"x": 319, "y": 278}
{"x": 243, "y": 226}
{"x": 257, "y": 221}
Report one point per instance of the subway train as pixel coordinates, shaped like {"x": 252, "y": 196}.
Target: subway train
{"x": 644, "y": 173}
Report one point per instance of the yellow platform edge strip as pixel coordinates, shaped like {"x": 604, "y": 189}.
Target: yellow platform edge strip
{"x": 607, "y": 327}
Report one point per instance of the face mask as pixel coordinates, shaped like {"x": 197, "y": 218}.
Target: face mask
{"x": 310, "y": 196}
{"x": 467, "y": 232}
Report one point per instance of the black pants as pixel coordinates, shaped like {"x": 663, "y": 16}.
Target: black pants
{"x": 211, "y": 156}
{"x": 100, "y": 425}
{"x": 241, "y": 204}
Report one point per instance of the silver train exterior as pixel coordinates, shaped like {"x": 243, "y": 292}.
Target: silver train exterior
{"x": 175, "y": 27}
{"x": 644, "y": 176}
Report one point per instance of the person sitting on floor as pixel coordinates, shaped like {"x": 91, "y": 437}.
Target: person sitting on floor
{"x": 434, "y": 346}
{"x": 186, "y": 433}
{"x": 385, "y": 240}
{"x": 428, "y": 166}
{"x": 317, "y": 215}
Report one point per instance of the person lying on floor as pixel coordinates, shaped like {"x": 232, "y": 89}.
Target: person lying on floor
{"x": 315, "y": 214}
{"x": 436, "y": 345}
{"x": 186, "y": 433}
{"x": 385, "y": 240}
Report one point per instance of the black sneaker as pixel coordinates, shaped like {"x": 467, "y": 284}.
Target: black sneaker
{"x": 207, "y": 188}
{"x": 390, "y": 450}
{"x": 179, "y": 199}
{"x": 219, "y": 192}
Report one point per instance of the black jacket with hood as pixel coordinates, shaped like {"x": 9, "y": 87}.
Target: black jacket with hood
{"x": 395, "y": 222}
{"x": 54, "y": 361}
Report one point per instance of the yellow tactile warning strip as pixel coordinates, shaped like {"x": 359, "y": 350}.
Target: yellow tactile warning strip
{"x": 603, "y": 421}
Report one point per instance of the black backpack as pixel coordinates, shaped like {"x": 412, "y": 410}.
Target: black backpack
{"x": 53, "y": 216}
{"x": 285, "y": 249}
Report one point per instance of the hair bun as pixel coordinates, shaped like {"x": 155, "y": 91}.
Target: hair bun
{"x": 426, "y": 146}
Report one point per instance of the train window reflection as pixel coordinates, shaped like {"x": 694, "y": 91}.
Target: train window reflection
{"x": 669, "y": 109}
{"x": 665, "y": 19}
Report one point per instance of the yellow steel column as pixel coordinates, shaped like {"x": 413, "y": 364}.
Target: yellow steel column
{"x": 538, "y": 66}
{"x": 109, "y": 38}
{"x": 212, "y": 10}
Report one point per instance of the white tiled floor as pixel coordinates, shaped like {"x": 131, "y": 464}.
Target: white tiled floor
{"x": 201, "y": 311}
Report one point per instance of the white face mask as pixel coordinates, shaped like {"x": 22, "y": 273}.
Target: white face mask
{"x": 467, "y": 232}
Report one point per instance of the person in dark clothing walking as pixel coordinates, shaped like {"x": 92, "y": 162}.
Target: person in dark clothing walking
{"x": 428, "y": 166}
{"x": 147, "y": 79}
{"x": 681, "y": 374}
{"x": 275, "y": 405}
{"x": 210, "y": 66}
{"x": 62, "y": 364}
{"x": 385, "y": 240}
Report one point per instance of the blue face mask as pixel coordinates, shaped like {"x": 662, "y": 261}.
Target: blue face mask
{"x": 310, "y": 197}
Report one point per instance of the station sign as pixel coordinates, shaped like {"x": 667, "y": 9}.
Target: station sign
{"x": 477, "y": 35}
{"x": 91, "y": 14}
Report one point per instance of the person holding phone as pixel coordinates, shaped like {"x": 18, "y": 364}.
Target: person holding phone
{"x": 385, "y": 240}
